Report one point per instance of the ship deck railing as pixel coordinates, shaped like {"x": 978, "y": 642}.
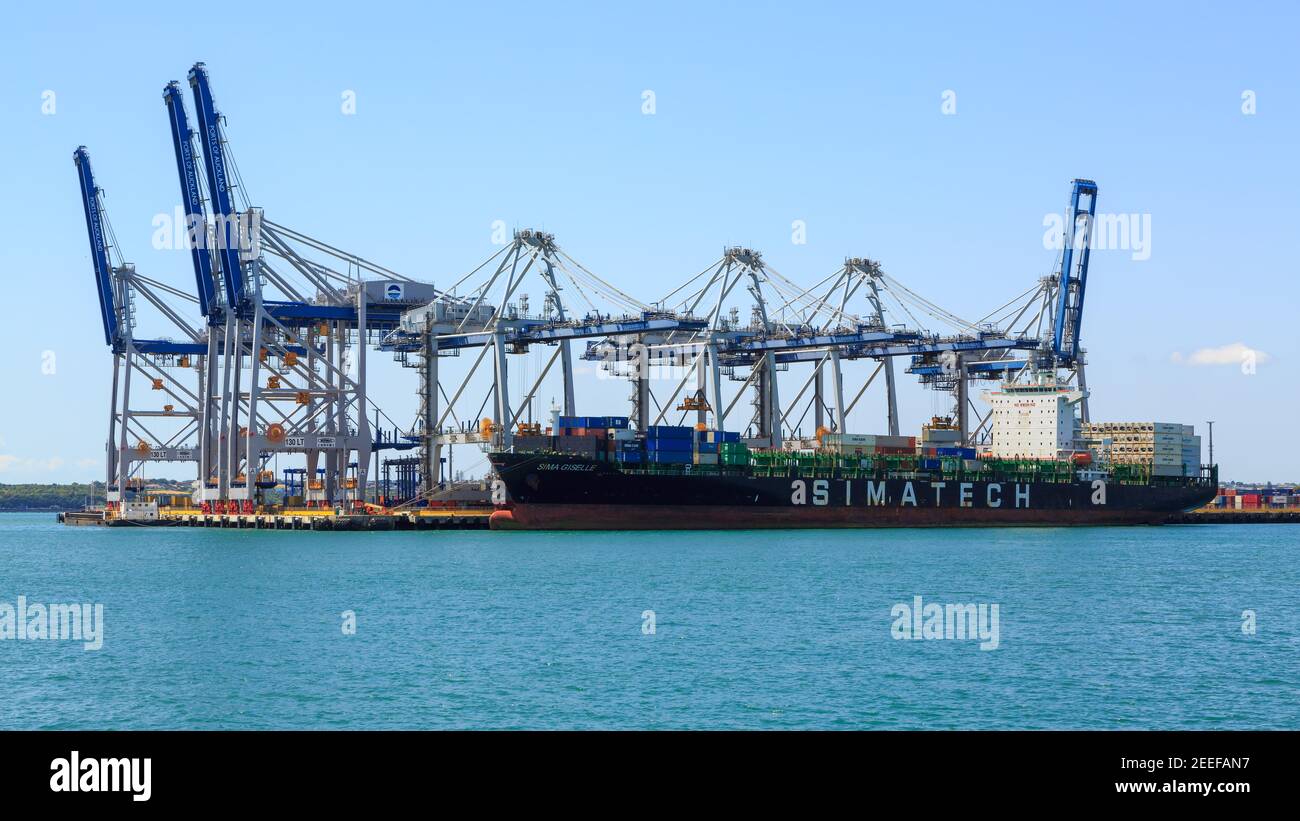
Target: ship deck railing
{"x": 905, "y": 468}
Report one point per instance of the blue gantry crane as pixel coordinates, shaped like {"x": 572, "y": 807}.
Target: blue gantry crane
{"x": 1072, "y": 279}
{"x": 296, "y": 327}
{"x": 157, "y": 359}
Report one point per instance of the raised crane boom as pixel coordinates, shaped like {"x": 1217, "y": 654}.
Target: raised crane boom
{"x": 1074, "y": 275}
{"x": 195, "y": 213}
{"x": 224, "y": 216}
{"x": 98, "y": 244}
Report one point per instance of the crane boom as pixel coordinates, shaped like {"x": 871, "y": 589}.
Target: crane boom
{"x": 194, "y": 210}
{"x": 98, "y": 244}
{"x": 1074, "y": 276}
{"x": 227, "y": 235}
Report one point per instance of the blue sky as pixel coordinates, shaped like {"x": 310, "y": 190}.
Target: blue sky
{"x": 765, "y": 114}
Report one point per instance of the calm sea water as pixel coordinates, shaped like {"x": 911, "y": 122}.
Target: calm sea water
{"x": 1098, "y": 628}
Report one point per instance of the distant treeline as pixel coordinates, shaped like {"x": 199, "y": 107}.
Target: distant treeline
{"x": 65, "y": 497}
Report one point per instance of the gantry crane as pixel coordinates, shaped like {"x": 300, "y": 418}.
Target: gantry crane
{"x": 299, "y": 334}
{"x": 157, "y": 360}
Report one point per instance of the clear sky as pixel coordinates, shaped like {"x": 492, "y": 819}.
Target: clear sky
{"x": 764, "y": 114}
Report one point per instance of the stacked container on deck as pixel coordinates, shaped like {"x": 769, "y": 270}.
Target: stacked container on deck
{"x": 596, "y": 437}
{"x": 669, "y": 445}
{"x": 941, "y": 449}
{"x": 733, "y": 453}
{"x": 1163, "y": 448}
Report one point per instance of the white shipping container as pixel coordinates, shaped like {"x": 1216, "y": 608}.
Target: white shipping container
{"x": 940, "y": 436}
{"x": 800, "y": 444}
{"x": 849, "y": 450}
{"x": 849, "y": 439}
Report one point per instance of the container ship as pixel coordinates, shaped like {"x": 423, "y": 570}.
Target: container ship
{"x": 1040, "y": 467}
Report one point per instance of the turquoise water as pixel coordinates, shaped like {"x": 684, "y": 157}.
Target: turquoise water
{"x": 1098, "y": 628}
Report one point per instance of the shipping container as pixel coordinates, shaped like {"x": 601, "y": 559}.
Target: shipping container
{"x": 534, "y": 443}
{"x": 849, "y": 439}
{"x": 966, "y": 453}
{"x": 906, "y": 442}
{"x": 669, "y": 432}
{"x": 675, "y": 445}
{"x": 576, "y": 444}
{"x": 669, "y": 457}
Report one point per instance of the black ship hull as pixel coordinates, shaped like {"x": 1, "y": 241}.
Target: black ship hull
{"x": 538, "y": 491}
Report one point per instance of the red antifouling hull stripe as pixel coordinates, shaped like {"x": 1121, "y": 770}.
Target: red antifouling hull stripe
{"x": 656, "y": 517}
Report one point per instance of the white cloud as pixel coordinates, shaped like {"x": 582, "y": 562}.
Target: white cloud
{"x": 9, "y": 462}
{"x": 1233, "y": 354}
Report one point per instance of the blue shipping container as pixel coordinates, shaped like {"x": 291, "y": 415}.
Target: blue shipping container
{"x": 669, "y": 457}
{"x": 673, "y": 445}
{"x": 708, "y": 447}
{"x": 618, "y": 422}
{"x": 963, "y": 453}
{"x": 668, "y": 432}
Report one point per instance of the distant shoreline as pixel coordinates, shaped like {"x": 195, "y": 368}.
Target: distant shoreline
{"x": 30, "y": 497}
